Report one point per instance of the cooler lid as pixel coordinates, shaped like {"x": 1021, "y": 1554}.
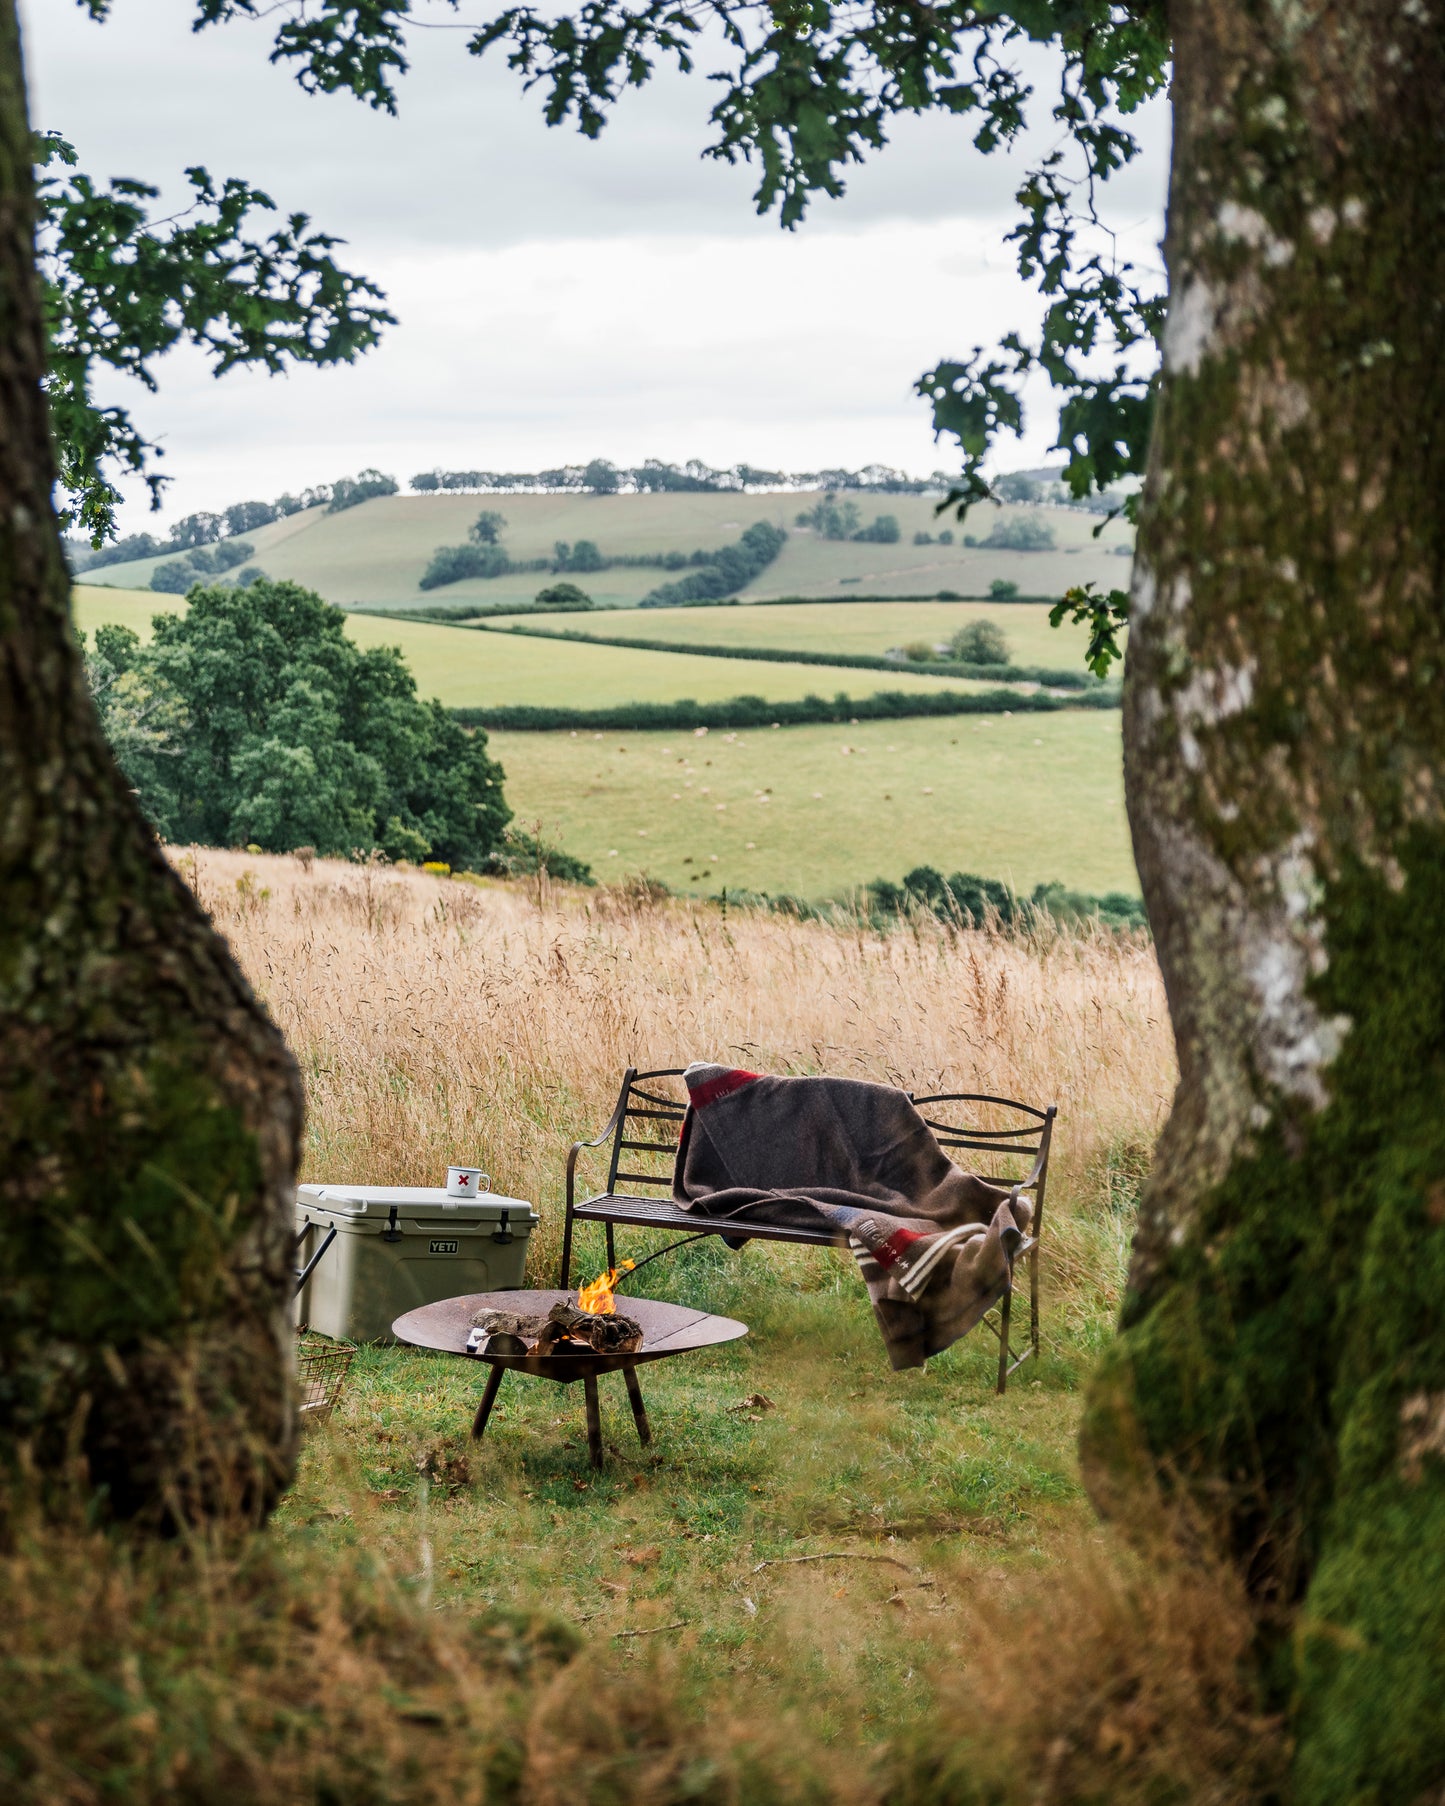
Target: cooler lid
{"x": 408, "y": 1201}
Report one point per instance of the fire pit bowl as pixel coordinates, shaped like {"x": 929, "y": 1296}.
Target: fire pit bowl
{"x": 668, "y": 1329}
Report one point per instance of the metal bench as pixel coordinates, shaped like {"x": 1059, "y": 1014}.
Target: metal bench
{"x": 647, "y": 1123}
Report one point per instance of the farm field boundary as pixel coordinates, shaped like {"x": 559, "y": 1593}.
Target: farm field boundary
{"x": 755, "y": 711}
{"x": 1069, "y": 679}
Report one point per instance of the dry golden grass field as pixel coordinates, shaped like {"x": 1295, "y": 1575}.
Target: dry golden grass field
{"x": 875, "y": 1589}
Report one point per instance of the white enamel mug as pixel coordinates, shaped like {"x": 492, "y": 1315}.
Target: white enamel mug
{"x": 467, "y": 1182}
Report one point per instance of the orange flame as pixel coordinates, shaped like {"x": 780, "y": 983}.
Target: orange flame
{"x": 598, "y": 1296}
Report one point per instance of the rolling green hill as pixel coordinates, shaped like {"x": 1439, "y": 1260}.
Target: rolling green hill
{"x": 1022, "y": 797}
{"x": 372, "y": 556}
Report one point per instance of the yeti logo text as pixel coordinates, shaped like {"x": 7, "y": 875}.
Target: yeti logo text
{"x": 442, "y": 1248}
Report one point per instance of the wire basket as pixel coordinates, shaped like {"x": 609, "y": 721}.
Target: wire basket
{"x": 321, "y": 1369}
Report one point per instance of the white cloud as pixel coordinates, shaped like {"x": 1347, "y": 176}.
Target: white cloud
{"x": 558, "y": 298}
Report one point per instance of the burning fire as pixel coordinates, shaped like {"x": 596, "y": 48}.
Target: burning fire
{"x": 598, "y": 1296}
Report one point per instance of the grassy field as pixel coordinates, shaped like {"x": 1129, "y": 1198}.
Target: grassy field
{"x": 1026, "y": 798}
{"x": 852, "y": 627}
{"x": 811, "y": 810}
{"x": 465, "y": 669}
{"x": 470, "y": 670}
{"x": 823, "y": 1583}
{"x": 374, "y": 555}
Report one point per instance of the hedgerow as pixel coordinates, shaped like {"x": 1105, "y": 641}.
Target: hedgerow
{"x": 756, "y": 711}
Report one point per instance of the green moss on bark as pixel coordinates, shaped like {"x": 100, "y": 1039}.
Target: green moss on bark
{"x": 1287, "y": 1370}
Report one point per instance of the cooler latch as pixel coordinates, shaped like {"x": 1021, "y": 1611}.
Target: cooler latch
{"x": 502, "y": 1233}
{"x": 391, "y": 1233}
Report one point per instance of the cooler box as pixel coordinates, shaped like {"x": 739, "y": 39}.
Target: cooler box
{"x": 400, "y": 1246}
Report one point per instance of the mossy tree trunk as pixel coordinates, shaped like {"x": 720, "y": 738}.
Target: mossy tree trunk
{"x": 149, "y": 1112}
{"x": 1282, "y": 1356}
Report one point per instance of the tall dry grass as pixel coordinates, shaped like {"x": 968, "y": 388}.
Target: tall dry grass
{"x": 439, "y": 1022}
{"x": 436, "y": 1022}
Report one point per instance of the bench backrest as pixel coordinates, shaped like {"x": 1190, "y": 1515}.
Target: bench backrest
{"x": 652, "y": 1105}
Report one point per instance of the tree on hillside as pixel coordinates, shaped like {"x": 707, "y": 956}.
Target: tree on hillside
{"x": 486, "y": 529}
{"x": 600, "y": 477}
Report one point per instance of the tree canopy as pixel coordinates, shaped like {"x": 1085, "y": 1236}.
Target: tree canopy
{"x": 253, "y": 719}
{"x": 121, "y": 288}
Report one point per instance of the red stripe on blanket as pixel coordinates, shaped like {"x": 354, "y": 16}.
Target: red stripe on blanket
{"x": 889, "y": 1253}
{"x": 721, "y": 1086}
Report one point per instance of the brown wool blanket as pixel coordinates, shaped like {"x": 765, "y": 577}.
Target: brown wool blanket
{"x": 935, "y": 1245}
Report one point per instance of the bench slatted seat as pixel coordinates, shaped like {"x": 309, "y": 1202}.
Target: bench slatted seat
{"x": 647, "y": 1121}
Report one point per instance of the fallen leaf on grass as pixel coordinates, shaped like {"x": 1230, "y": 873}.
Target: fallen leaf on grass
{"x": 640, "y": 1558}
{"x": 755, "y": 1401}
{"x": 390, "y": 1495}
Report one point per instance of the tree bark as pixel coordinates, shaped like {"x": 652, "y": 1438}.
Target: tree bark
{"x": 1282, "y": 1359}
{"x": 150, "y": 1113}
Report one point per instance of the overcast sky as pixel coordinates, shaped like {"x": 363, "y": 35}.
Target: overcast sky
{"x": 558, "y": 299}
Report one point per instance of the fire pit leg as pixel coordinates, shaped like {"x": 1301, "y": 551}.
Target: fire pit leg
{"x": 594, "y": 1419}
{"x": 489, "y": 1398}
{"x": 639, "y": 1410}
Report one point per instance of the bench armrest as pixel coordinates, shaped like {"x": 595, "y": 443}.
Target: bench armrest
{"x": 597, "y": 1140}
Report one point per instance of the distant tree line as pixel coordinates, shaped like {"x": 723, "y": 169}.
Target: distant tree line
{"x": 177, "y": 575}
{"x": 653, "y": 477}
{"x": 833, "y": 519}
{"x": 722, "y": 573}
{"x": 254, "y": 720}
{"x": 205, "y": 529}
{"x": 717, "y": 573}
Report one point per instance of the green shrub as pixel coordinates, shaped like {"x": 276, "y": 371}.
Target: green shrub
{"x": 980, "y": 643}
{"x": 1002, "y": 590}
{"x": 1021, "y": 533}
{"x": 883, "y": 532}
{"x": 919, "y": 652}
{"x": 563, "y": 595}
{"x": 451, "y": 564}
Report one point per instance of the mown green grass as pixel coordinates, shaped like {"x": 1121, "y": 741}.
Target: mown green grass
{"x": 851, "y": 627}
{"x": 950, "y": 1485}
{"x": 1026, "y": 798}
{"x": 374, "y": 555}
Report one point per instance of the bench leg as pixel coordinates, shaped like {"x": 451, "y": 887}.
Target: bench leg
{"x": 611, "y": 1249}
{"x": 1034, "y": 1298}
{"x": 594, "y": 1419}
{"x": 1004, "y": 1313}
{"x": 639, "y": 1410}
{"x": 489, "y": 1398}
{"x": 564, "y": 1277}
